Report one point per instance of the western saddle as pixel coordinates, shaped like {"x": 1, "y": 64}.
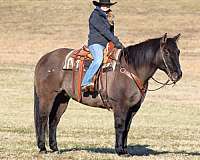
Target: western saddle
{"x": 80, "y": 56}
{"x": 84, "y": 53}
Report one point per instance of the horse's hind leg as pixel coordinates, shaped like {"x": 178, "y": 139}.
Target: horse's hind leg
{"x": 59, "y": 107}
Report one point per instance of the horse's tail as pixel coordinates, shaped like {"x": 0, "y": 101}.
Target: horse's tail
{"x": 36, "y": 112}
{"x": 37, "y": 115}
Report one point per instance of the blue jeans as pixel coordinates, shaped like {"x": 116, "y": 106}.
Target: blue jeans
{"x": 97, "y": 53}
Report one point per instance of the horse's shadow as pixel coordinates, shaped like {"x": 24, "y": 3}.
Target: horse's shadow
{"x": 135, "y": 150}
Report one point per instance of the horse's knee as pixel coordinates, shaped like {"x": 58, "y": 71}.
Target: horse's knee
{"x": 119, "y": 123}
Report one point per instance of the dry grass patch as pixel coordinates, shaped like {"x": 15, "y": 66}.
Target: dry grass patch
{"x": 166, "y": 127}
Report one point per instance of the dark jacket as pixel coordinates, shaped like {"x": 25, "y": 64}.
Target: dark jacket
{"x": 100, "y": 30}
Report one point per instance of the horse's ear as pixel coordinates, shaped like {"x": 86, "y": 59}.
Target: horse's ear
{"x": 164, "y": 39}
{"x": 177, "y": 37}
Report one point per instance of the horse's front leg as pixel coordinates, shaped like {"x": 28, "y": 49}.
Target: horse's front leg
{"x": 131, "y": 113}
{"x": 123, "y": 117}
{"x": 120, "y": 128}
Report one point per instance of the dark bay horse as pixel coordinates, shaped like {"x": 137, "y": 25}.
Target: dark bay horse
{"x": 53, "y": 89}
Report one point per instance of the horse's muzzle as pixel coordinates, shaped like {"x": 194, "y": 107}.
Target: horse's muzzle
{"x": 176, "y": 76}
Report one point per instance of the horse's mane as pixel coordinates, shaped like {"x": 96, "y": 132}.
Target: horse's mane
{"x": 141, "y": 53}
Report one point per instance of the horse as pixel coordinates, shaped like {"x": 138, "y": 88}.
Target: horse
{"x": 139, "y": 62}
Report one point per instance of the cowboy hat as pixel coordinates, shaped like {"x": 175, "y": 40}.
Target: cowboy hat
{"x": 103, "y": 2}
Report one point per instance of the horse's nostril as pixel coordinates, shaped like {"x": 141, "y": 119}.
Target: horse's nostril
{"x": 174, "y": 76}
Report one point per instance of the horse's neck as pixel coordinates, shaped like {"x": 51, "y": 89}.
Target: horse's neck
{"x": 144, "y": 72}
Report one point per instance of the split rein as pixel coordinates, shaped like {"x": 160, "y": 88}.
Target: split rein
{"x": 163, "y": 84}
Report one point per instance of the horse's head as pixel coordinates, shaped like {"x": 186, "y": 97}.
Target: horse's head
{"x": 168, "y": 60}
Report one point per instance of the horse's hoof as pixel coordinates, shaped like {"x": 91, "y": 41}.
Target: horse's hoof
{"x": 54, "y": 148}
{"x": 43, "y": 151}
{"x": 58, "y": 152}
{"x": 121, "y": 151}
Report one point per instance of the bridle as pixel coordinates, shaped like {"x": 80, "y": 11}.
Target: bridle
{"x": 168, "y": 73}
{"x": 165, "y": 63}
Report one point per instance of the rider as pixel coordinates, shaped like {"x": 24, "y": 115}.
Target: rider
{"x": 100, "y": 33}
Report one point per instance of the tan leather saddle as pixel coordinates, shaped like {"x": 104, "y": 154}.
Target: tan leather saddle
{"x": 82, "y": 55}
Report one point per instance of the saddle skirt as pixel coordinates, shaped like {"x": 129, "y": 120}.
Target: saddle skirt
{"x": 73, "y": 58}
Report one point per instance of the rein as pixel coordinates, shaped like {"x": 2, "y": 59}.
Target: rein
{"x": 163, "y": 84}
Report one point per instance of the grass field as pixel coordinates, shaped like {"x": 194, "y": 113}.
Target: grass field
{"x": 166, "y": 127}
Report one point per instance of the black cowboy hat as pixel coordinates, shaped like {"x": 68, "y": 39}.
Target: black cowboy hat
{"x": 103, "y": 2}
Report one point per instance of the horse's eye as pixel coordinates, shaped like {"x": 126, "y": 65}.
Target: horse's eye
{"x": 166, "y": 51}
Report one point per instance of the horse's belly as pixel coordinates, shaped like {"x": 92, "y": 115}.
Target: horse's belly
{"x": 93, "y": 102}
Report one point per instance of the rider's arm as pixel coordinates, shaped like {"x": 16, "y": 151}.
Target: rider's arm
{"x": 103, "y": 28}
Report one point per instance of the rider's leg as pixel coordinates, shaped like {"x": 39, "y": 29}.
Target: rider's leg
{"x": 97, "y": 54}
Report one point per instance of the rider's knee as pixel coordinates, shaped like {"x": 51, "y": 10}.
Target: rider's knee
{"x": 99, "y": 60}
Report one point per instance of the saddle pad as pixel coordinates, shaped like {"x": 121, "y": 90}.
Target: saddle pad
{"x": 69, "y": 61}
